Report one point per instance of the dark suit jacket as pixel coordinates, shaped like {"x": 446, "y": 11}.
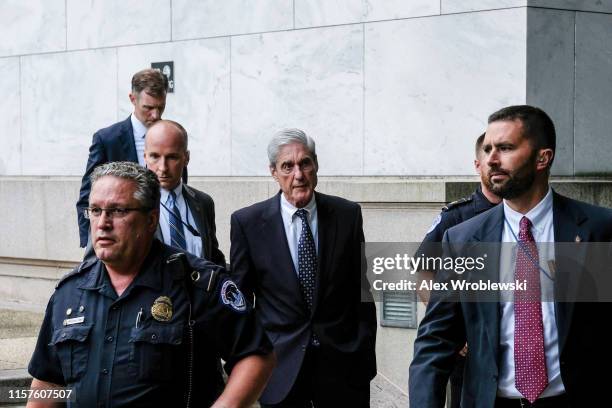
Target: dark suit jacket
{"x": 582, "y": 326}
{"x": 114, "y": 143}
{"x": 202, "y": 208}
{"x": 346, "y": 327}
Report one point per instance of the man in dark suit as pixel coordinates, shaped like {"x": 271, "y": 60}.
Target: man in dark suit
{"x": 299, "y": 253}
{"x": 187, "y": 215}
{"x": 528, "y": 349}
{"x": 124, "y": 141}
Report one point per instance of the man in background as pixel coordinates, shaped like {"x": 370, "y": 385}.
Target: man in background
{"x": 124, "y": 141}
{"x": 187, "y": 215}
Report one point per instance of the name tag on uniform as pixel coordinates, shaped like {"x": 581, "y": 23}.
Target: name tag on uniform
{"x": 74, "y": 320}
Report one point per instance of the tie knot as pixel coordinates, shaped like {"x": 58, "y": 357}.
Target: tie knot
{"x": 525, "y": 224}
{"x": 172, "y": 195}
{"x": 303, "y": 214}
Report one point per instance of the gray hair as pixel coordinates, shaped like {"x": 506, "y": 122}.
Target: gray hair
{"x": 286, "y": 137}
{"x": 147, "y": 186}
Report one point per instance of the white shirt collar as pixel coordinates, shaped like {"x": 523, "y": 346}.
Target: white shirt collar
{"x": 139, "y": 129}
{"x": 536, "y": 215}
{"x": 290, "y": 209}
{"x": 178, "y": 190}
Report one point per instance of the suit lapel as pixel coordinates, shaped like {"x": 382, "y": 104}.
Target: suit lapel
{"x": 567, "y": 221}
{"x": 272, "y": 226}
{"x": 327, "y": 236}
{"x": 489, "y": 237}
{"x": 127, "y": 140}
{"x": 199, "y": 218}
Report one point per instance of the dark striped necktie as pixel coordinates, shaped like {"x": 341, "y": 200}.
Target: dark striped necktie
{"x": 177, "y": 236}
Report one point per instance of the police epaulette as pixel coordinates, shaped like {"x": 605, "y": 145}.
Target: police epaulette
{"x": 83, "y": 266}
{"x": 457, "y": 203}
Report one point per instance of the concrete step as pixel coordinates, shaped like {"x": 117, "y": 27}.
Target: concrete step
{"x": 18, "y": 332}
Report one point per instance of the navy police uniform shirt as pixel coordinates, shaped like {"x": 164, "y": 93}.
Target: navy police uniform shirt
{"x": 135, "y": 349}
{"x": 451, "y": 215}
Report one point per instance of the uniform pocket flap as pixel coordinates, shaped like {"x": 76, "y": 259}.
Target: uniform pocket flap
{"x": 158, "y": 334}
{"x": 75, "y": 333}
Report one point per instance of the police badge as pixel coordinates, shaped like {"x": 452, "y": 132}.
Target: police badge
{"x": 162, "y": 309}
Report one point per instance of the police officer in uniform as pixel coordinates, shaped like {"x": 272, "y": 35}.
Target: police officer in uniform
{"x": 452, "y": 214}
{"x": 143, "y": 324}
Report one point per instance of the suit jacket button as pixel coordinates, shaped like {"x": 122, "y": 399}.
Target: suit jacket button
{"x": 303, "y": 347}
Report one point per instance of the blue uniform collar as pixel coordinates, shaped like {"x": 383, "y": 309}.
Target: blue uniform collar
{"x": 149, "y": 275}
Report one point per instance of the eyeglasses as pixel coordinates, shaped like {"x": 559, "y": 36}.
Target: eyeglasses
{"x": 304, "y": 166}
{"x": 111, "y": 213}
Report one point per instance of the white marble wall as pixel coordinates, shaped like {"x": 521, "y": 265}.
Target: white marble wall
{"x": 309, "y": 79}
{"x": 313, "y": 13}
{"x": 385, "y": 87}
{"x": 430, "y": 84}
{"x": 10, "y": 109}
{"x": 211, "y": 18}
{"x": 65, "y": 98}
{"x": 32, "y": 26}
{"x": 107, "y": 23}
{"x": 201, "y": 100}
{"x": 593, "y": 118}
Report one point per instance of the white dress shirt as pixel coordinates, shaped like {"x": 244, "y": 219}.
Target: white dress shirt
{"x": 139, "y": 131}
{"x": 194, "y": 244}
{"x": 293, "y": 226}
{"x": 541, "y": 217}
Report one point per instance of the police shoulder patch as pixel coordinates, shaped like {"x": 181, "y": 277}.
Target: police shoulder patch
{"x": 457, "y": 203}
{"x": 232, "y": 297}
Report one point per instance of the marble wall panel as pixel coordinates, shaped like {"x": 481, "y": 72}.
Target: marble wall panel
{"x": 10, "y": 132}
{"x": 94, "y": 23}
{"x": 593, "y": 122}
{"x": 430, "y": 84}
{"x": 211, "y": 18}
{"x": 32, "y": 26}
{"x": 461, "y": 6}
{"x": 550, "y": 76}
{"x": 65, "y": 99}
{"x": 312, "y": 13}
{"x": 200, "y": 101}
{"x": 26, "y": 206}
{"x": 309, "y": 79}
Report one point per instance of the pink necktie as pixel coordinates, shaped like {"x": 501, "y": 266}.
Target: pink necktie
{"x": 529, "y": 359}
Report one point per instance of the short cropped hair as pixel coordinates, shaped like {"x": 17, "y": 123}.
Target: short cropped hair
{"x": 478, "y": 146}
{"x": 152, "y": 81}
{"x": 287, "y": 137}
{"x": 147, "y": 186}
{"x": 538, "y": 127}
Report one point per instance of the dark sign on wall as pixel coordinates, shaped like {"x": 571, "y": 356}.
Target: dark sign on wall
{"x": 166, "y": 68}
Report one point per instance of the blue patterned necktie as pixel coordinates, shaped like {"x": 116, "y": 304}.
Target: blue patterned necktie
{"x": 307, "y": 259}
{"x": 177, "y": 237}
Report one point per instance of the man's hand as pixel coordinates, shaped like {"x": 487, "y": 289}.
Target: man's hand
{"x": 463, "y": 351}
{"x": 246, "y": 381}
